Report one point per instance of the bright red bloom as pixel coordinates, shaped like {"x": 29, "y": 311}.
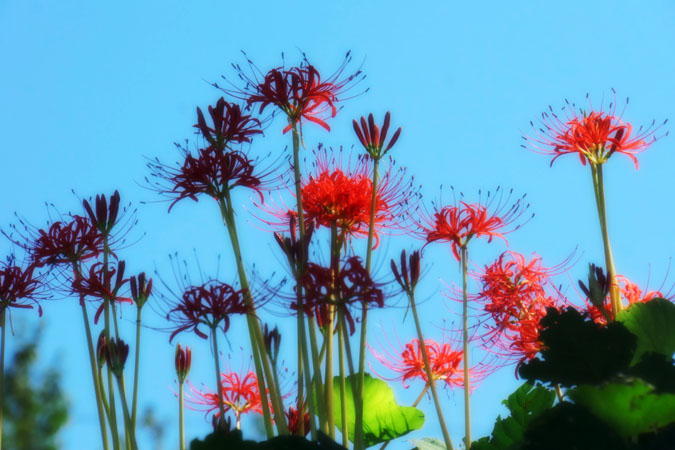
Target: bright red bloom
{"x": 293, "y": 420}
{"x": 19, "y": 287}
{"x": 372, "y": 138}
{"x": 594, "y": 136}
{"x": 445, "y": 362}
{"x": 514, "y": 294}
{"x": 229, "y": 125}
{"x": 71, "y": 242}
{"x": 240, "y": 395}
{"x": 630, "y": 293}
{"x": 458, "y": 224}
{"x": 209, "y": 304}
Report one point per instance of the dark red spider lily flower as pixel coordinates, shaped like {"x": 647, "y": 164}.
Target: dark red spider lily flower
{"x": 183, "y": 361}
{"x": 140, "y": 289}
{"x": 459, "y": 223}
{"x": 116, "y": 355}
{"x": 594, "y": 136}
{"x": 372, "y": 138}
{"x": 105, "y": 216}
{"x": 209, "y": 304}
{"x": 72, "y": 242}
{"x": 353, "y": 285}
{"x": 300, "y": 92}
{"x": 101, "y": 350}
{"x": 212, "y": 172}
{"x": 240, "y": 396}
{"x": 229, "y": 125}
{"x": 99, "y": 284}
{"x": 407, "y": 278}
{"x": 294, "y": 422}
{"x": 445, "y": 362}
{"x": 20, "y": 288}
{"x": 515, "y": 295}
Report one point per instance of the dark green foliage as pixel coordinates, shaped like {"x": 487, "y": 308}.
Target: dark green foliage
{"x": 233, "y": 440}
{"x": 35, "y": 406}
{"x": 653, "y": 323}
{"x": 525, "y": 405}
{"x": 570, "y": 427}
{"x": 578, "y": 351}
{"x": 656, "y": 369}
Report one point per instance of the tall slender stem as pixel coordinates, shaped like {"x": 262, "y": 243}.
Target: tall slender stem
{"x": 343, "y": 384}
{"x": 318, "y": 384}
{"x": 136, "y": 361}
{"x": 112, "y": 416}
{"x": 131, "y": 433}
{"x": 358, "y": 440}
{"x": 2, "y": 366}
{"x": 219, "y": 384}
{"x": 465, "y": 336}
{"x": 599, "y": 189}
{"x": 181, "y": 419}
{"x": 261, "y": 362}
{"x": 431, "y": 383}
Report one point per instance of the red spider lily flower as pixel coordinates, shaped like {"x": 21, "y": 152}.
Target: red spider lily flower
{"x": 630, "y": 294}
{"x": 294, "y": 422}
{"x": 594, "y": 136}
{"x": 229, "y": 125}
{"x": 340, "y": 194}
{"x": 183, "y": 360}
{"x": 105, "y": 216}
{"x": 140, "y": 289}
{"x": 299, "y": 92}
{"x": 353, "y": 285}
{"x": 212, "y": 171}
{"x": 372, "y": 138}
{"x": 99, "y": 284}
{"x": 209, "y": 304}
{"x": 445, "y": 363}
{"x": 515, "y": 295}
{"x": 459, "y": 223}
{"x": 20, "y": 288}
{"x": 75, "y": 241}
{"x": 240, "y": 396}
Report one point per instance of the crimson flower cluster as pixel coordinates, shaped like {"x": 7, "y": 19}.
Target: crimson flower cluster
{"x": 514, "y": 294}
{"x": 210, "y": 304}
{"x": 630, "y": 293}
{"x": 229, "y": 124}
{"x": 240, "y": 395}
{"x": 74, "y": 241}
{"x": 20, "y": 288}
{"x": 102, "y": 282}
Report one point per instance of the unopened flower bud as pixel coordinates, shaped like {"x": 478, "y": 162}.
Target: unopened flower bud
{"x": 140, "y": 289}
{"x": 117, "y": 354}
{"x": 598, "y": 286}
{"x": 101, "y": 350}
{"x": 183, "y": 362}
{"x": 272, "y": 340}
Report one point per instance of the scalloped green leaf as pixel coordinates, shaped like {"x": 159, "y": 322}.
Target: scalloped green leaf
{"x": 630, "y": 407}
{"x": 525, "y": 405}
{"x": 383, "y": 418}
{"x": 653, "y": 323}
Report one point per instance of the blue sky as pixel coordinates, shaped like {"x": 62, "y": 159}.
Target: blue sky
{"x": 89, "y": 90}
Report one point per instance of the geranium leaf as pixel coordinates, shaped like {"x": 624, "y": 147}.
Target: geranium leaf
{"x": 653, "y": 323}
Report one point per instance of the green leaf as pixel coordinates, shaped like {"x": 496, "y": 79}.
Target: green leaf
{"x": 428, "y": 444}
{"x": 383, "y": 418}
{"x": 525, "y": 405}
{"x": 653, "y": 323}
{"x": 630, "y": 407}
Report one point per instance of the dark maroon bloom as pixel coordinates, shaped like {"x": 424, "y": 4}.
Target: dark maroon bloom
{"x": 229, "y": 125}
{"x": 99, "y": 284}
{"x": 409, "y": 274}
{"x": 272, "y": 339}
{"x": 19, "y": 287}
{"x": 372, "y": 138}
{"x": 105, "y": 216}
{"x": 353, "y": 285}
{"x": 212, "y": 172}
{"x": 71, "y": 242}
{"x": 116, "y": 356}
{"x": 209, "y": 304}
{"x": 101, "y": 350}
{"x": 294, "y": 422}
{"x": 141, "y": 288}
{"x": 183, "y": 362}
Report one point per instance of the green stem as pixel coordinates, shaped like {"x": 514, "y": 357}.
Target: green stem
{"x": 261, "y": 362}
{"x": 358, "y": 433}
{"x": 219, "y": 384}
{"x": 430, "y": 376}
{"x": 127, "y": 415}
{"x": 136, "y": 361}
{"x": 599, "y": 189}
{"x": 465, "y": 336}
{"x": 2, "y": 366}
{"x": 112, "y": 417}
{"x": 343, "y": 384}
{"x": 559, "y": 393}
{"x": 318, "y": 384}
{"x": 181, "y": 418}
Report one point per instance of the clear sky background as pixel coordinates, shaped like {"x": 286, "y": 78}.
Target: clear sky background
{"x": 88, "y": 91}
